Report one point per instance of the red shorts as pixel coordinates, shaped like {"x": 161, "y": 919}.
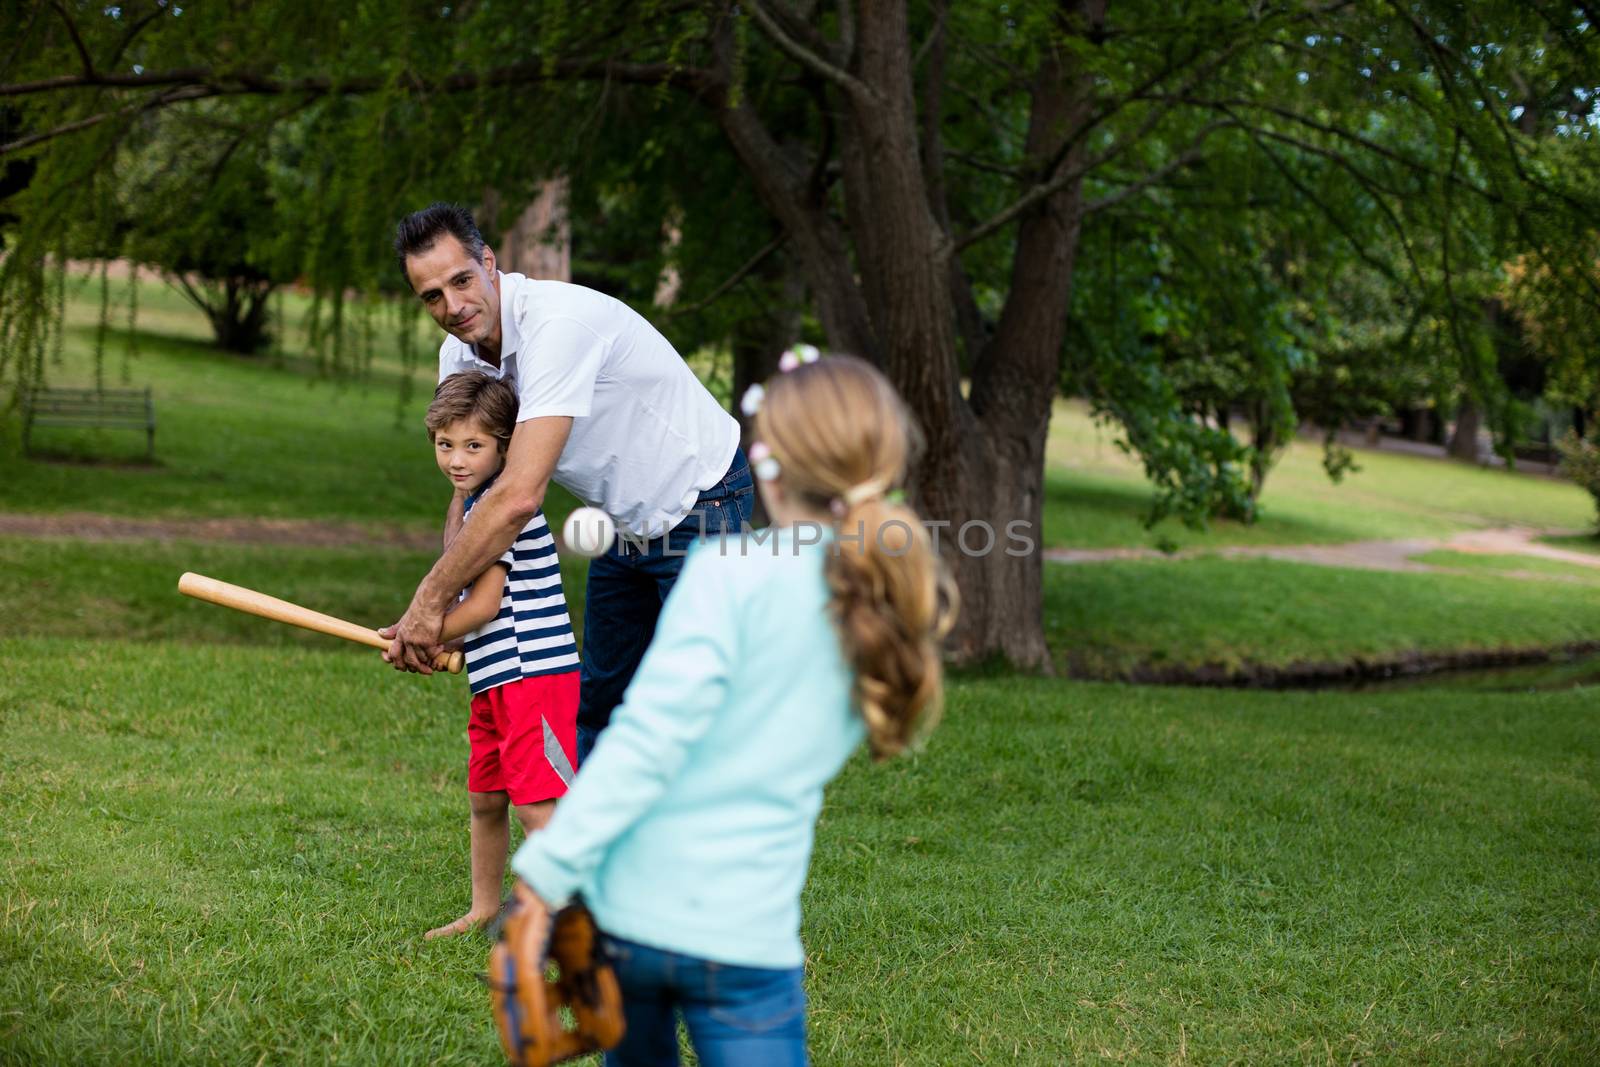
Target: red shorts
{"x": 524, "y": 738}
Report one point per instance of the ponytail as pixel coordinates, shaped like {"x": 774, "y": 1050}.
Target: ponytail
{"x": 892, "y": 604}
{"x": 842, "y": 440}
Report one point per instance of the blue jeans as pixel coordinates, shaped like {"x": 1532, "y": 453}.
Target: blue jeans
{"x": 736, "y": 1016}
{"x": 627, "y": 587}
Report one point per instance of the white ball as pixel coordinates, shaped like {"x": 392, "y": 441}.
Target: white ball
{"x": 589, "y": 532}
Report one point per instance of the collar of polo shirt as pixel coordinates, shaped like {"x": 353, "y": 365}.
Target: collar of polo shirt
{"x": 510, "y": 338}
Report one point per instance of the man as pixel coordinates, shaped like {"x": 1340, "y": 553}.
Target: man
{"x": 607, "y": 409}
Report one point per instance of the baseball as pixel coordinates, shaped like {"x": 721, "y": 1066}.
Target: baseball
{"x": 589, "y": 532}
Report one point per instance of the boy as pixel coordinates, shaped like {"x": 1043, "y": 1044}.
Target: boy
{"x": 522, "y": 662}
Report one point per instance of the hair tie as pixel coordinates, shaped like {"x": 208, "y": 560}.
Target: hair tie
{"x": 797, "y": 355}
{"x": 763, "y": 462}
{"x": 860, "y": 494}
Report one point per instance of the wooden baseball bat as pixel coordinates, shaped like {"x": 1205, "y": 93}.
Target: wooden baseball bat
{"x": 239, "y": 598}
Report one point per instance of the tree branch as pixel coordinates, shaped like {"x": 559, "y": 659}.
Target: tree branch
{"x": 1358, "y": 247}
{"x": 984, "y": 165}
{"x": 1367, "y": 185}
{"x": 198, "y": 300}
{"x": 21, "y": 41}
{"x": 1226, "y": 104}
{"x": 1044, "y": 190}
{"x": 238, "y": 83}
{"x": 733, "y": 279}
{"x": 1188, "y": 157}
{"x": 934, "y": 34}
{"x": 198, "y": 83}
{"x": 134, "y": 31}
{"x": 804, "y": 56}
{"x": 77, "y": 41}
{"x": 847, "y": 31}
{"x": 176, "y": 96}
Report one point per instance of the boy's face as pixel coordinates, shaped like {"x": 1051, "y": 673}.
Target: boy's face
{"x": 467, "y": 453}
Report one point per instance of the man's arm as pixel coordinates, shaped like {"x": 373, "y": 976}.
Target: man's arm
{"x": 504, "y": 510}
{"x": 454, "y": 516}
{"x": 481, "y": 605}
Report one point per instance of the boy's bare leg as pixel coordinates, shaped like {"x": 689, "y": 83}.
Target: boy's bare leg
{"x": 534, "y": 817}
{"x": 491, "y": 837}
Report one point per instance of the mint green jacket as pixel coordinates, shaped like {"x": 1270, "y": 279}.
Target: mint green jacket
{"x": 690, "y": 826}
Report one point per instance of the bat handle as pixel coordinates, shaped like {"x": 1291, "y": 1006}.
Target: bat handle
{"x": 448, "y": 661}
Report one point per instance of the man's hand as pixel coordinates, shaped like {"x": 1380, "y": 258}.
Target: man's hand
{"x": 414, "y": 639}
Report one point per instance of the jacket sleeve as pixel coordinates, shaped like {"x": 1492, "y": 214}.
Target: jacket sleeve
{"x": 670, "y": 705}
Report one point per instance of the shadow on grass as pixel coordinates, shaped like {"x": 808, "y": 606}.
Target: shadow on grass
{"x": 75, "y": 458}
{"x": 1589, "y": 542}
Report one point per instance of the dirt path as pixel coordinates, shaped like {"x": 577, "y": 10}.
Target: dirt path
{"x": 1364, "y": 555}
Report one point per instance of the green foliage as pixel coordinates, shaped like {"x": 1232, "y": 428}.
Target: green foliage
{"x": 1580, "y": 461}
{"x": 197, "y": 201}
{"x": 1237, "y": 164}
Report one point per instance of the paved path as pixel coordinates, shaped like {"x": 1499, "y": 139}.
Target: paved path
{"x": 1364, "y": 555}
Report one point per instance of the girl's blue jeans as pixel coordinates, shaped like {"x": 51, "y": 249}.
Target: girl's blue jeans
{"x": 736, "y": 1016}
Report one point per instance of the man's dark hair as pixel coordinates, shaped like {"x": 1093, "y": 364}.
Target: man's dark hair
{"x": 421, "y": 230}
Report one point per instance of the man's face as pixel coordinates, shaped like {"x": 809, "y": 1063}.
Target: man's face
{"x": 461, "y": 294}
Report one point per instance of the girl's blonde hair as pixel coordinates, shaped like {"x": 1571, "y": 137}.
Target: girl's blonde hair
{"x": 843, "y": 439}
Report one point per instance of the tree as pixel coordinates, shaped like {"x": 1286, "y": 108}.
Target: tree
{"x": 196, "y": 201}
{"x": 932, "y": 168}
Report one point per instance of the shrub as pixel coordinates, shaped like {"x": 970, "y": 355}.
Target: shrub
{"x": 1580, "y": 461}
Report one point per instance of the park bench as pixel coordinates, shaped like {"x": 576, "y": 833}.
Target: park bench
{"x": 117, "y": 409}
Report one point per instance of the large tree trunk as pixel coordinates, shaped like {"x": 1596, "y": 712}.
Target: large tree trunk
{"x": 239, "y": 318}
{"x": 1464, "y": 442}
{"x": 898, "y": 300}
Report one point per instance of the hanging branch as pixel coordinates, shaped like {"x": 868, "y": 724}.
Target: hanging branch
{"x": 733, "y": 279}
{"x": 131, "y": 348}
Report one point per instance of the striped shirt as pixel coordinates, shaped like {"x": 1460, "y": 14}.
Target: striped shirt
{"x": 532, "y": 634}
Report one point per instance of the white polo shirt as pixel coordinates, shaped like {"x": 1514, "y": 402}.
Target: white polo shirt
{"x": 647, "y": 438}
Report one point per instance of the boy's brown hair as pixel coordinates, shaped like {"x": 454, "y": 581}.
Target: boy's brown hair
{"x": 470, "y": 395}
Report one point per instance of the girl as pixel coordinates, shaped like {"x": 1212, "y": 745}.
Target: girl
{"x": 689, "y": 829}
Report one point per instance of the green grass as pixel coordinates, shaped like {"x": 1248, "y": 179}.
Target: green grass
{"x": 1106, "y": 618}
{"x": 266, "y": 436}
{"x": 60, "y": 588}
{"x": 1095, "y": 497}
{"x": 1488, "y": 563}
{"x": 228, "y": 854}
{"x": 1575, "y": 542}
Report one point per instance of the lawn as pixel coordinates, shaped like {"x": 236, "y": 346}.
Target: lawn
{"x": 273, "y": 436}
{"x": 223, "y": 837}
{"x": 1491, "y": 563}
{"x": 227, "y": 854}
{"x": 1575, "y": 542}
{"x": 1095, "y": 497}
{"x": 129, "y": 590}
{"x": 1105, "y": 619}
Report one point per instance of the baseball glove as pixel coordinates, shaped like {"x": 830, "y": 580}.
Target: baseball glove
{"x": 535, "y": 973}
